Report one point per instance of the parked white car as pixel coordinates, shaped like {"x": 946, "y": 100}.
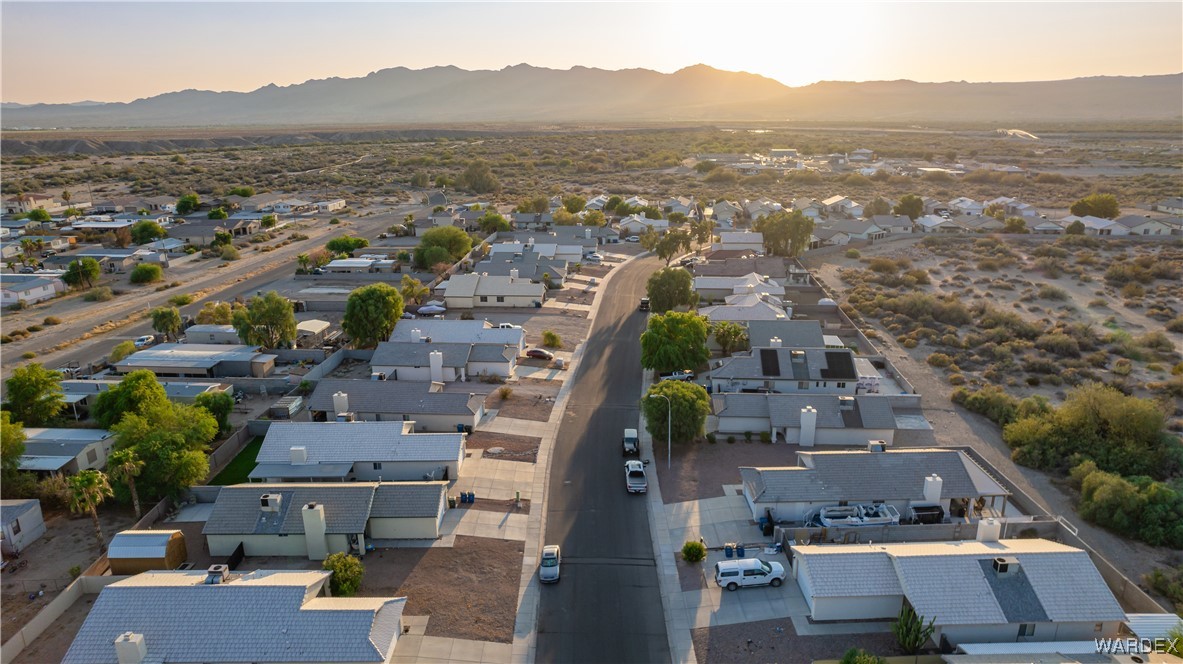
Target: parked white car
{"x": 144, "y": 341}
{"x": 548, "y": 568}
{"x": 746, "y": 572}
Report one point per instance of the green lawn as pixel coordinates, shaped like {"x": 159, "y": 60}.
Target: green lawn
{"x": 238, "y": 469}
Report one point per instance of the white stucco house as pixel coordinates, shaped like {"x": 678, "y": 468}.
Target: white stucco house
{"x": 807, "y": 419}
{"x": 788, "y": 371}
{"x": 1136, "y": 224}
{"x": 710, "y": 289}
{"x": 635, "y": 224}
{"x": 739, "y": 241}
{"x": 470, "y": 291}
{"x": 23, "y": 524}
{"x": 29, "y": 288}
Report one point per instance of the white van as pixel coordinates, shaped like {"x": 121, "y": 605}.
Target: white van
{"x": 736, "y": 574}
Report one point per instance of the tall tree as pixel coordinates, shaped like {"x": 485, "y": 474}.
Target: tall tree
{"x": 674, "y": 341}
{"x": 800, "y": 232}
{"x": 594, "y": 218}
{"x": 672, "y": 244}
{"x": 171, "y": 440}
{"x": 669, "y": 288}
{"x": 216, "y": 313}
{"x": 88, "y": 489}
{"x": 478, "y": 178}
{"x": 574, "y": 203}
{"x": 138, "y": 392}
{"x": 785, "y": 233}
{"x": 371, "y": 313}
{"x": 146, "y": 230}
{"x": 268, "y": 321}
{"x": 124, "y": 466}
{"x": 491, "y": 222}
{"x": 187, "y": 204}
{"x": 877, "y": 206}
{"x": 218, "y": 213}
{"x": 455, "y": 241}
{"x": 1104, "y": 206}
{"x": 12, "y": 445}
{"x": 687, "y": 410}
{"x": 730, "y": 336}
{"x": 412, "y": 290}
{"x": 650, "y": 238}
{"x": 911, "y": 205}
{"x": 35, "y": 394}
{"x": 167, "y": 321}
{"x": 82, "y": 272}
{"x": 536, "y": 205}
{"x": 218, "y": 404}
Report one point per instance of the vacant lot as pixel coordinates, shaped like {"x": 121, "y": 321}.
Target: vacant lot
{"x": 530, "y": 399}
{"x": 777, "y": 641}
{"x": 701, "y": 469}
{"x": 504, "y": 446}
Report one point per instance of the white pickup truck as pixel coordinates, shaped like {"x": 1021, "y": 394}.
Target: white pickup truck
{"x": 681, "y": 374}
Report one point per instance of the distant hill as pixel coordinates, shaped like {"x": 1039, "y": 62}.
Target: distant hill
{"x": 524, "y": 93}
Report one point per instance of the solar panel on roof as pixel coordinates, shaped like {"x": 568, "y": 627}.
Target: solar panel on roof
{"x": 770, "y": 361}
{"x": 839, "y": 365}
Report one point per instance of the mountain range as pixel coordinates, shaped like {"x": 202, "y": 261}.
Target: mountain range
{"x": 527, "y": 94}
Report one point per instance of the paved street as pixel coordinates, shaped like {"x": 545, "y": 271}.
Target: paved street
{"x": 607, "y": 608}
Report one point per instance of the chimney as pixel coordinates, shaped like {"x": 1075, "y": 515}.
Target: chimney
{"x": 989, "y": 530}
{"x": 436, "y": 359}
{"x": 587, "y": 233}
{"x": 341, "y": 401}
{"x": 416, "y": 335}
{"x": 774, "y": 342}
{"x": 513, "y": 274}
{"x": 808, "y": 426}
{"x": 314, "y": 531}
{"x": 299, "y": 455}
{"x": 217, "y": 574}
{"x": 130, "y": 648}
{"x": 932, "y": 488}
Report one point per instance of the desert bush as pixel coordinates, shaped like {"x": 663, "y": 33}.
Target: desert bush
{"x": 28, "y": 355}
{"x": 551, "y": 339}
{"x": 146, "y": 273}
{"x": 939, "y": 360}
{"x": 853, "y": 253}
{"x": 990, "y": 401}
{"x": 1048, "y": 292}
{"x": 505, "y": 392}
{"x": 229, "y": 253}
{"x": 1059, "y": 344}
{"x": 52, "y": 320}
{"x": 1133, "y": 290}
{"x": 99, "y": 294}
{"x": 693, "y": 552}
{"x": 180, "y": 300}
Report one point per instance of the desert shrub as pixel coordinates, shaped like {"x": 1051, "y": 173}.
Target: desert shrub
{"x": 1169, "y": 584}
{"x": 146, "y": 273}
{"x": 939, "y": 360}
{"x": 956, "y": 379}
{"x": 100, "y": 294}
{"x": 712, "y": 438}
{"x": 1048, "y": 292}
{"x": 910, "y": 343}
{"x": 551, "y": 339}
{"x": 52, "y": 320}
{"x": 229, "y": 253}
{"x": 1133, "y": 290}
{"x": 1136, "y": 506}
{"x": 1122, "y": 367}
{"x": 28, "y": 355}
{"x": 991, "y": 401}
{"x": 1058, "y": 344}
{"x": 853, "y": 253}
{"x": 180, "y": 300}
{"x": 347, "y": 573}
{"x": 1156, "y": 340}
{"x": 693, "y": 552}
{"x": 505, "y": 392}
{"x": 35, "y": 328}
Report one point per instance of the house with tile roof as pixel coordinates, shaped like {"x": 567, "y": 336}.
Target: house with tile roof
{"x": 1169, "y": 205}
{"x": 991, "y": 590}
{"x": 740, "y": 241}
{"x": 807, "y": 419}
{"x": 357, "y": 451}
{"x": 801, "y": 333}
{"x": 264, "y": 617}
{"x": 893, "y": 224}
{"x": 460, "y": 331}
{"x": 424, "y": 403}
{"x": 442, "y": 362}
{"x": 1136, "y": 224}
{"x": 314, "y": 520}
{"x": 636, "y": 224}
{"x": 711, "y": 289}
{"x": 903, "y": 478}
{"x": 748, "y": 307}
{"x": 787, "y": 370}
{"x": 470, "y": 291}
{"x": 725, "y": 211}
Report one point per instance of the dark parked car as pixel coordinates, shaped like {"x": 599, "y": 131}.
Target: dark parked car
{"x": 540, "y": 354}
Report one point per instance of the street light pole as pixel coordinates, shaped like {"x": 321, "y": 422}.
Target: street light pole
{"x": 669, "y": 427}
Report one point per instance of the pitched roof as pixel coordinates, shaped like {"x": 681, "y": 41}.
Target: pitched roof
{"x": 793, "y": 333}
{"x": 408, "y": 499}
{"x": 350, "y": 442}
{"x": 1134, "y": 220}
{"x": 813, "y": 364}
{"x": 886, "y": 221}
{"x": 784, "y": 410}
{"x": 412, "y": 354}
{"x": 264, "y": 616}
{"x": 393, "y": 396}
{"x": 857, "y": 475}
{"x": 462, "y": 331}
{"x": 140, "y": 543}
{"x": 13, "y": 509}
{"x": 237, "y": 510}
{"x": 952, "y": 581}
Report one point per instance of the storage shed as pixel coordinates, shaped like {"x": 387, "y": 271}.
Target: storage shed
{"x": 23, "y": 524}
{"x": 135, "y": 551}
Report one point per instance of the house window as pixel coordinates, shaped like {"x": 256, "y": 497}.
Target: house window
{"x": 1027, "y": 629}
{"x": 484, "y": 298}
{"x": 92, "y": 456}
{"x": 377, "y": 465}
{"x": 802, "y": 385}
{"x": 841, "y": 385}
{"x": 500, "y": 298}
{"x": 16, "y": 530}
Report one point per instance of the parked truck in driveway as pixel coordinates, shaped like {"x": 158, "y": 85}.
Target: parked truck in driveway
{"x": 681, "y": 374}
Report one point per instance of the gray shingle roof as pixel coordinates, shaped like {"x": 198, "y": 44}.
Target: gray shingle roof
{"x": 408, "y": 499}
{"x": 237, "y": 510}
{"x": 814, "y": 368}
{"x": 349, "y": 442}
{"x": 858, "y": 475}
{"x": 458, "y": 331}
{"x": 392, "y": 396}
{"x": 11, "y": 510}
{"x": 411, "y": 354}
{"x": 793, "y": 333}
{"x": 262, "y": 617}
{"x": 784, "y": 410}
{"x": 854, "y": 574}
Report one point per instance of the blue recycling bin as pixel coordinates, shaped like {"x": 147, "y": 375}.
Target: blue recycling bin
{"x": 464, "y": 497}
{"x": 739, "y": 551}
{"x": 471, "y": 497}
{"x": 728, "y": 549}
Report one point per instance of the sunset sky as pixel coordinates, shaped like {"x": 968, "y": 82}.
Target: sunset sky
{"x": 65, "y": 52}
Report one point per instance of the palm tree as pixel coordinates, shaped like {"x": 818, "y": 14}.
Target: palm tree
{"x": 303, "y": 261}
{"x": 29, "y": 248}
{"x": 125, "y": 466}
{"x": 88, "y": 490}
{"x": 66, "y": 196}
{"x": 413, "y": 290}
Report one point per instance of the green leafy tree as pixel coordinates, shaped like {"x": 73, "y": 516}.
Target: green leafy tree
{"x": 121, "y": 350}
{"x": 88, "y": 490}
{"x": 218, "y": 213}
{"x": 689, "y": 404}
{"x": 491, "y": 222}
{"x": 124, "y": 466}
{"x": 677, "y": 218}
{"x": 216, "y": 313}
{"x": 348, "y": 572}
{"x": 1104, "y": 206}
{"x": 911, "y": 205}
{"x": 594, "y": 218}
{"x": 564, "y": 218}
{"x": 672, "y": 244}
{"x": 427, "y": 258}
{"x": 413, "y": 290}
{"x": 303, "y": 261}
{"x": 167, "y": 321}
{"x": 346, "y": 244}
{"x": 612, "y": 203}
{"x": 730, "y": 336}
{"x": 535, "y": 205}
{"x": 455, "y": 241}
{"x": 785, "y": 233}
{"x": 1075, "y": 228}
{"x": 243, "y": 191}
{"x": 574, "y": 203}
{"x": 877, "y": 206}
{"x": 268, "y": 221}
{"x": 420, "y": 180}
{"x": 34, "y": 394}
{"x": 146, "y": 230}
{"x": 649, "y": 239}
{"x": 171, "y": 440}
{"x": 702, "y": 231}
{"x": 669, "y": 288}
{"x": 222, "y": 239}
{"x": 138, "y": 392}
{"x": 188, "y": 203}
{"x": 39, "y": 214}
{"x": 218, "y": 404}
{"x": 996, "y": 210}
{"x": 268, "y": 321}
{"x": 146, "y": 273}
{"x": 673, "y": 341}
{"x": 12, "y": 446}
{"x": 371, "y": 313}
{"x": 910, "y": 631}
{"x": 478, "y": 178}
{"x": 82, "y": 272}
{"x": 1015, "y": 225}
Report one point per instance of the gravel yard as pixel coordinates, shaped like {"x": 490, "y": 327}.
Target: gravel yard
{"x": 532, "y": 399}
{"x": 514, "y": 448}
{"x": 701, "y": 469}
{"x": 470, "y": 590}
{"x": 777, "y": 641}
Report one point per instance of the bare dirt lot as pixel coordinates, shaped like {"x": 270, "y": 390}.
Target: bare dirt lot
{"x": 56, "y": 640}
{"x": 701, "y": 469}
{"x": 470, "y": 591}
{"x": 777, "y": 641}
{"x": 532, "y": 399}
{"x": 513, "y": 448}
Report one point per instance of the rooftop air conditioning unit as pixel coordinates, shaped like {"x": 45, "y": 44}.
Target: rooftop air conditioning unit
{"x": 217, "y": 574}
{"x": 270, "y": 502}
{"x": 845, "y": 403}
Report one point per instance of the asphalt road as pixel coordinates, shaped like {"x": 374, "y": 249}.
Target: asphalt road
{"x": 607, "y": 606}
